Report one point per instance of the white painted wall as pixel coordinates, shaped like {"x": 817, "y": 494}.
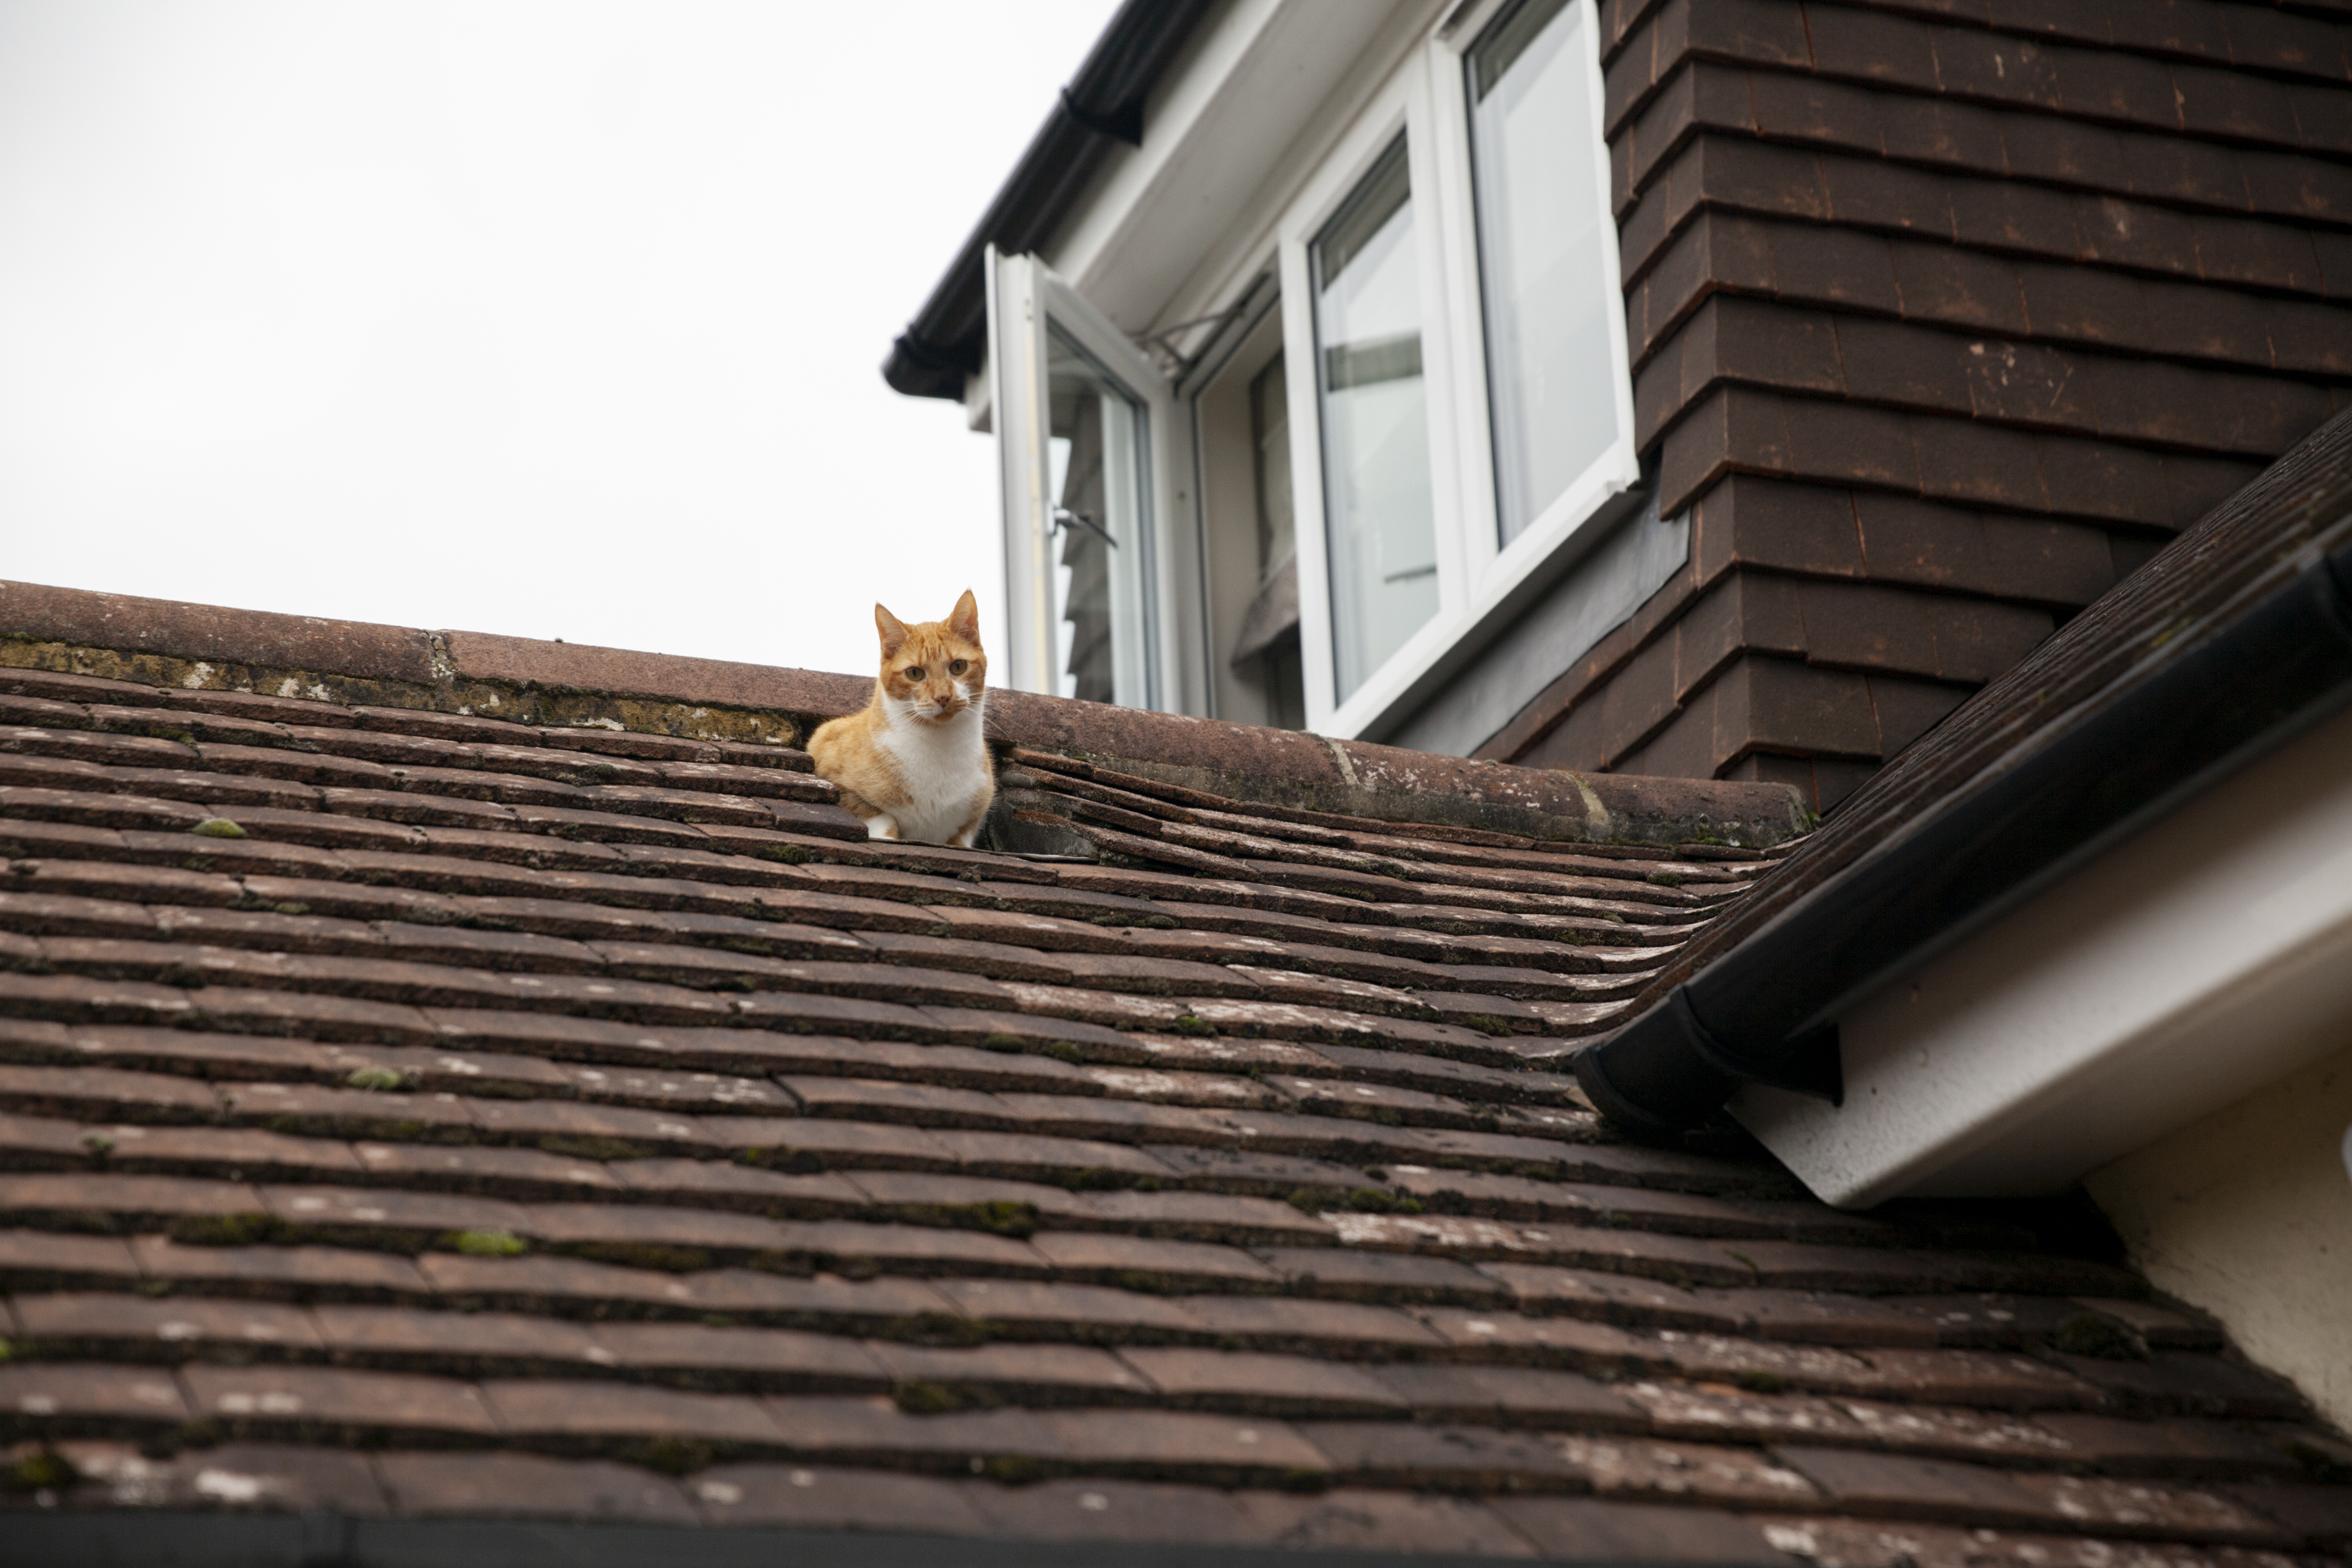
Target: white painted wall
{"x": 2248, "y": 1214}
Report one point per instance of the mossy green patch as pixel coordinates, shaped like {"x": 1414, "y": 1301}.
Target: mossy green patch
{"x": 43, "y": 1469}
{"x": 1096, "y": 1178}
{"x": 374, "y": 1078}
{"x": 589, "y": 1148}
{"x": 217, "y": 828}
{"x": 645, "y": 1255}
{"x": 792, "y": 1161}
{"x": 227, "y": 1229}
{"x": 1001, "y": 1041}
{"x": 676, "y": 1456}
{"x": 1186, "y": 1024}
{"x": 790, "y": 854}
{"x": 1013, "y": 1470}
{"x": 2102, "y": 1339}
{"x": 1003, "y": 1217}
{"x": 920, "y": 1398}
{"x": 486, "y": 1243}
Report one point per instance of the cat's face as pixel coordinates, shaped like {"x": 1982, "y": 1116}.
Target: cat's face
{"x": 934, "y": 670}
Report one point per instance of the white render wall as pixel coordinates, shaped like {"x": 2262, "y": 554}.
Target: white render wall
{"x": 2248, "y": 1215}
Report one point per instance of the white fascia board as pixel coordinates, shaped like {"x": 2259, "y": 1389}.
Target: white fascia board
{"x": 2172, "y": 974}
{"x": 1237, "y": 102}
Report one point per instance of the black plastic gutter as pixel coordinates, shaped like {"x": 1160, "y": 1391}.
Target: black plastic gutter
{"x": 1765, "y": 1011}
{"x": 1101, "y": 108}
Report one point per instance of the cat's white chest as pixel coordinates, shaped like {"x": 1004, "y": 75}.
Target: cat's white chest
{"x": 943, "y": 769}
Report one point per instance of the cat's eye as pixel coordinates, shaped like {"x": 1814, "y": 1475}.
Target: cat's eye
{"x": 958, "y": 665}
{"x": 913, "y": 672}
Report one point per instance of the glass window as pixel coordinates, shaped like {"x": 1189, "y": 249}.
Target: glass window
{"x": 1278, "y": 549}
{"x": 1378, "y": 518}
{"x": 1270, "y": 443}
{"x": 1101, "y": 529}
{"x": 1552, "y": 377}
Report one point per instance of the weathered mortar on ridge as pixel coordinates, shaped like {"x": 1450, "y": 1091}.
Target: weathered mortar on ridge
{"x": 528, "y": 703}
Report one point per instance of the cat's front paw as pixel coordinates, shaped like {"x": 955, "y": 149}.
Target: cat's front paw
{"x": 883, "y": 825}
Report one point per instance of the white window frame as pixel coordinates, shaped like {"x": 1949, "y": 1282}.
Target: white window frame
{"x": 1481, "y": 584}
{"x": 1023, "y": 294}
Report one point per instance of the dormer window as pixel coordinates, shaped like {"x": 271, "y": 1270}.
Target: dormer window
{"x": 1424, "y": 272}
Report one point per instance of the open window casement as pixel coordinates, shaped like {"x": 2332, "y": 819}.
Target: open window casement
{"x": 1088, "y": 444}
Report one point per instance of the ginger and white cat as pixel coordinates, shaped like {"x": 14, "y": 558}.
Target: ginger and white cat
{"x": 914, "y": 763}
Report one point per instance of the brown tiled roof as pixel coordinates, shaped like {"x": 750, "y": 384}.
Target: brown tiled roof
{"x": 591, "y": 1125}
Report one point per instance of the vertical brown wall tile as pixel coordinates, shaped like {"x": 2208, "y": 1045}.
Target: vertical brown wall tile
{"x": 2166, "y": 27}
{"x": 2083, "y": 304}
{"x": 2014, "y": 217}
{"x": 2102, "y": 84}
{"x": 1962, "y": 461}
{"x": 1660, "y": 128}
{"x": 2129, "y": 234}
{"x": 1639, "y": 699}
{"x": 2195, "y": 486}
{"x": 2297, "y": 187}
{"x": 2273, "y": 40}
{"x": 2053, "y": 563}
{"x": 1887, "y": 196}
{"x": 1781, "y": 346}
{"x": 2026, "y": 384}
{"x": 1840, "y": 441}
{"x": 1772, "y": 522}
{"x": 2173, "y": 169}
{"x": 1807, "y": 109}
{"x": 1886, "y": 362}
{"x": 1831, "y": 266}
{"x": 2230, "y": 251}
{"x": 1795, "y": 706}
{"x": 1763, "y": 179}
{"x": 2001, "y": 69}
{"x": 1767, "y": 32}
{"x": 1944, "y": 131}
{"x": 2094, "y": 479}
{"x": 1871, "y": 46}
{"x": 1959, "y": 288}
{"x": 1683, "y": 748}
{"x": 2065, "y": 151}
{"x": 2323, "y": 118}
{"x": 1906, "y": 709}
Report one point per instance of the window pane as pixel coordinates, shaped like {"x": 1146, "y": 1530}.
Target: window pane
{"x": 1280, "y": 666}
{"x": 1376, "y": 490}
{"x": 1551, "y": 378}
{"x": 1101, "y": 526}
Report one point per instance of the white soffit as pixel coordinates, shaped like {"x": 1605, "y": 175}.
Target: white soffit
{"x": 2174, "y": 973}
{"x": 1243, "y": 93}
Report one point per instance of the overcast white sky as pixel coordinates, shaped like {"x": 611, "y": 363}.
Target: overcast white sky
{"x": 557, "y": 318}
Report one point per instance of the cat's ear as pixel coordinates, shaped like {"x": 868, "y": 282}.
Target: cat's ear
{"x": 893, "y": 630}
{"x": 964, "y": 619}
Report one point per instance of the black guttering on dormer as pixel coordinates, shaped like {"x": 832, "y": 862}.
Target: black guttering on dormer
{"x": 2235, "y": 638}
{"x": 1103, "y": 105}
